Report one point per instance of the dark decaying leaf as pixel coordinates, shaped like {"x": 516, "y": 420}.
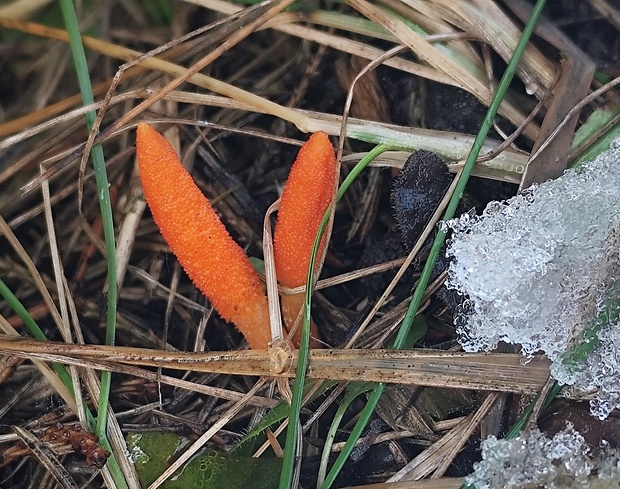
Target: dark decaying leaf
{"x": 417, "y": 191}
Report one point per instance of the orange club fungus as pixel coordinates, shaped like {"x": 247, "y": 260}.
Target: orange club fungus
{"x": 208, "y": 254}
{"x": 212, "y": 260}
{"x": 307, "y": 195}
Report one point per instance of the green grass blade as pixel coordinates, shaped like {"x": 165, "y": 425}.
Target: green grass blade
{"x": 441, "y": 236}
{"x": 356, "y": 433}
{"x": 367, "y": 412}
{"x": 355, "y": 172}
{"x": 245, "y": 446}
{"x": 525, "y": 415}
{"x": 354, "y": 390}
{"x": 35, "y": 331}
{"x": 288, "y": 463}
{"x": 598, "y": 119}
{"x": 464, "y": 177}
{"x": 81, "y": 67}
{"x": 588, "y": 339}
{"x": 101, "y": 178}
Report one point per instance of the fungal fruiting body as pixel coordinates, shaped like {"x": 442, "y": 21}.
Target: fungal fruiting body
{"x": 213, "y": 261}
{"x": 307, "y": 195}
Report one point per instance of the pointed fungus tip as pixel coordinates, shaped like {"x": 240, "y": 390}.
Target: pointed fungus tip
{"x": 307, "y": 195}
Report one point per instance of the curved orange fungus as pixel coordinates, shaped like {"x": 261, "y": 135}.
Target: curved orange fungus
{"x": 307, "y": 194}
{"x": 210, "y": 257}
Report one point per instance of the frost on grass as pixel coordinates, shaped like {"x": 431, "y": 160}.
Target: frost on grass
{"x": 537, "y": 270}
{"x": 533, "y": 460}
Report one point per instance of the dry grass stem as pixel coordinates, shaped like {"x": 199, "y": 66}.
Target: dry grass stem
{"x": 501, "y": 372}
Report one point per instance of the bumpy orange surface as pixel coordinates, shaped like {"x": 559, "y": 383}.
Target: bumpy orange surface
{"x": 307, "y": 194}
{"x": 210, "y": 257}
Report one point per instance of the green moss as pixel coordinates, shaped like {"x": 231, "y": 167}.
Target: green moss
{"x": 152, "y": 454}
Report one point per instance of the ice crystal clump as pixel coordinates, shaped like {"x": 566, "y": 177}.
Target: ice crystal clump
{"x": 536, "y": 267}
{"x": 533, "y": 460}
{"x": 599, "y": 370}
